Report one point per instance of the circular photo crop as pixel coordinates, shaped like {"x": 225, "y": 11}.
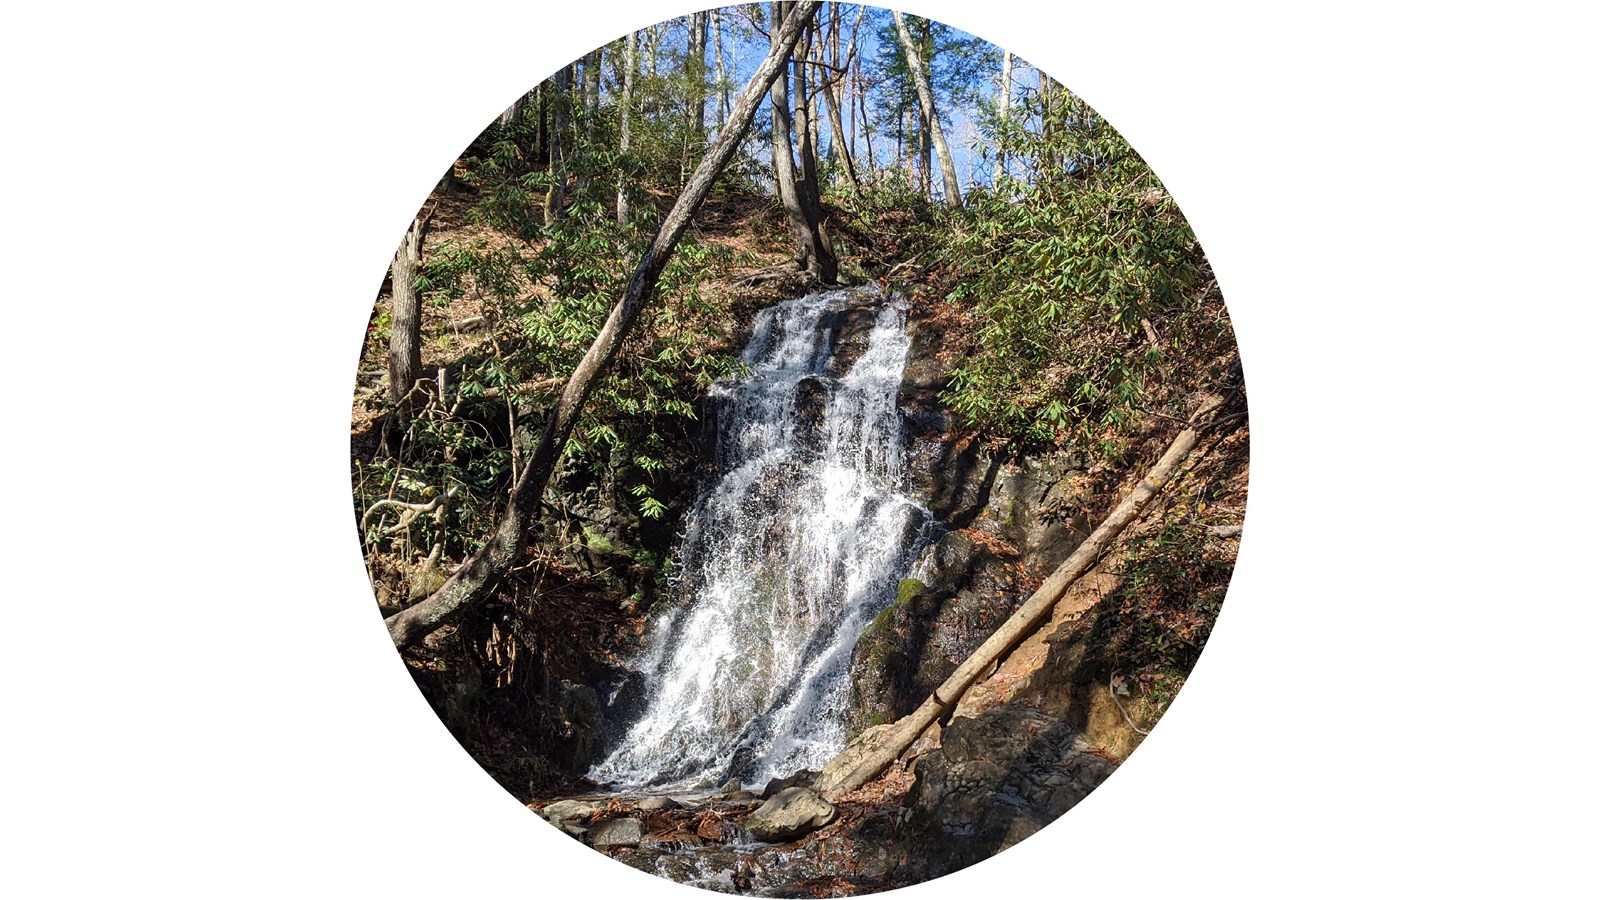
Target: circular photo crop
{"x": 799, "y": 449}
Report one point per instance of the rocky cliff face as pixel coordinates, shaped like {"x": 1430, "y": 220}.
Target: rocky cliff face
{"x": 1005, "y": 523}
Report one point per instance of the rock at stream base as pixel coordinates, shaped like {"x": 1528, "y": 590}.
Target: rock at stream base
{"x": 563, "y": 811}
{"x": 792, "y": 813}
{"x": 655, "y": 804}
{"x": 617, "y": 833}
{"x": 802, "y": 778}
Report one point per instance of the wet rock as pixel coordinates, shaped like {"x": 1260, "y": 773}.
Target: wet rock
{"x": 850, "y": 330}
{"x": 1007, "y": 522}
{"x": 996, "y": 779}
{"x": 656, "y": 804}
{"x": 790, "y": 814}
{"x": 973, "y": 585}
{"x": 584, "y": 724}
{"x": 925, "y": 373}
{"x": 676, "y": 842}
{"x": 617, "y": 833}
{"x": 802, "y": 778}
{"x": 811, "y": 396}
{"x": 625, "y": 704}
{"x": 730, "y": 786}
{"x": 714, "y": 828}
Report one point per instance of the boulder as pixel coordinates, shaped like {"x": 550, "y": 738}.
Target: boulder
{"x": 802, "y": 778}
{"x": 655, "y": 804}
{"x": 563, "y": 811}
{"x": 583, "y": 724}
{"x": 617, "y": 833}
{"x": 792, "y": 813}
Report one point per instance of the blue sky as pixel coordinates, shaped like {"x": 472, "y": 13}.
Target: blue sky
{"x": 744, "y": 49}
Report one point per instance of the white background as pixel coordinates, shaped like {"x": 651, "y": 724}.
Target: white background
{"x": 1399, "y": 202}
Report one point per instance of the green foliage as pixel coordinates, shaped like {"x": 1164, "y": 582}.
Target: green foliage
{"x": 954, "y": 59}
{"x": 1084, "y": 279}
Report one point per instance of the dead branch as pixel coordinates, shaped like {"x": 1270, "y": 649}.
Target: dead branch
{"x": 409, "y": 511}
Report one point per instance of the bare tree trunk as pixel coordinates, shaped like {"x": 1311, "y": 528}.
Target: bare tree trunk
{"x": 405, "y": 316}
{"x": 852, "y": 94}
{"x": 807, "y": 239}
{"x": 849, "y": 771}
{"x": 810, "y": 185}
{"x": 541, "y": 128}
{"x": 724, "y": 90}
{"x": 1005, "y": 112}
{"x": 513, "y": 113}
{"x": 1047, "y": 118}
{"x": 694, "y": 110}
{"x": 839, "y": 149}
{"x": 866, "y": 128}
{"x": 630, "y": 57}
{"x": 592, "y": 66}
{"x": 479, "y": 574}
{"x": 590, "y": 107}
{"x": 924, "y": 157}
{"x": 903, "y": 144}
{"x": 919, "y": 77}
{"x": 560, "y": 97}
{"x": 704, "y": 20}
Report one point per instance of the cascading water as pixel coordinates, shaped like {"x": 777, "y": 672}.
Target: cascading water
{"x": 799, "y": 541}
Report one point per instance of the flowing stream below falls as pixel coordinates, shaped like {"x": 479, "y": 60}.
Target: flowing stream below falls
{"x": 799, "y": 539}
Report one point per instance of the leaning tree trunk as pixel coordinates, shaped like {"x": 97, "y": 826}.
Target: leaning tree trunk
{"x": 405, "y": 316}
{"x": 849, "y": 771}
{"x": 919, "y": 77}
{"x": 480, "y": 573}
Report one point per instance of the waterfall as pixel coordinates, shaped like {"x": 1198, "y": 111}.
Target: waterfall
{"x": 798, "y": 542}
